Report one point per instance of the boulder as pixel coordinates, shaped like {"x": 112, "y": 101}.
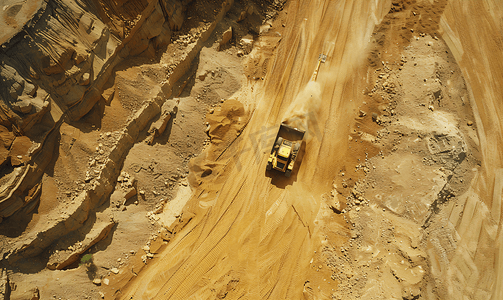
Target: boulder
{"x": 85, "y": 79}
{"x": 226, "y": 37}
{"x": 30, "y": 89}
{"x": 23, "y": 105}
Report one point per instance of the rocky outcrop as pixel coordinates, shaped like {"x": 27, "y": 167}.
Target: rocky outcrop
{"x": 59, "y": 63}
{"x": 75, "y": 71}
{"x": 62, "y": 259}
{"x": 157, "y": 128}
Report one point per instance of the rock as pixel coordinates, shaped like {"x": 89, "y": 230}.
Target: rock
{"x": 362, "y": 114}
{"x": 374, "y": 117}
{"x": 240, "y": 53}
{"x": 97, "y": 281}
{"x": 97, "y": 233}
{"x": 174, "y": 9}
{"x": 6, "y": 136}
{"x": 35, "y": 294}
{"x": 469, "y": 123}
{"x": 101, "y": 295}
{"x": 20, "y": 147}
{"x": 30, "y": 89}
{"x": 23, "y": 105}
{"x": 85, "y": 79}
{"x": 164, "y": 38}
{"x": 106, "y": 281}
{"x": 202, "y": 75}
{"x": 114, "y": 270}
{"x": 242, "y": 16}
{"x": 129, "y": 193}
{"x": 33, "y": 74}
{"x": 226, "y": 37}
{"x": 4, "y": 153}
{"x": 16, "y": 89}
{"x": 246, "y": 43}
{"x": 80, "y": 57}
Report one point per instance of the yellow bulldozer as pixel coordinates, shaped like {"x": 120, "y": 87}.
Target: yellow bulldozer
{"x": 289, "y": 139}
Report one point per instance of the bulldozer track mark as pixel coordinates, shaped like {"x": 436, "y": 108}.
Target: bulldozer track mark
{"x": 237, "y": 137}
{"x": 301, "y": 221}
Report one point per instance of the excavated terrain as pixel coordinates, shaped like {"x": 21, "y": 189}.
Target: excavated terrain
{"x": 134, "y": 138}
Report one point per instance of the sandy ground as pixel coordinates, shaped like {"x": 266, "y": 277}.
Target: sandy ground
{"x": 396, "y": 195}
{"x": 257, "y": 235}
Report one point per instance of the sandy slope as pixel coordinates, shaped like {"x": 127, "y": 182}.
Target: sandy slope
{"x": 254, "y": 233}
{"x": 472, "y": 30}
{"x": 253, "y": 238}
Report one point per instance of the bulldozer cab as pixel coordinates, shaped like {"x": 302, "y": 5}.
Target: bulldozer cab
{"x": 284, "y": 149}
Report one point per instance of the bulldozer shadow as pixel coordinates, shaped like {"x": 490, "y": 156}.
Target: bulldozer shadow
{"x": 279, "y": 179}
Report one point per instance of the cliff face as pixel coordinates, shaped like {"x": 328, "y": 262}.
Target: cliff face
{"x": 55, "y": 68}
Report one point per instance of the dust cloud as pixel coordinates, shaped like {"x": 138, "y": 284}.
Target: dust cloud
{"x": 303, "y": 110}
